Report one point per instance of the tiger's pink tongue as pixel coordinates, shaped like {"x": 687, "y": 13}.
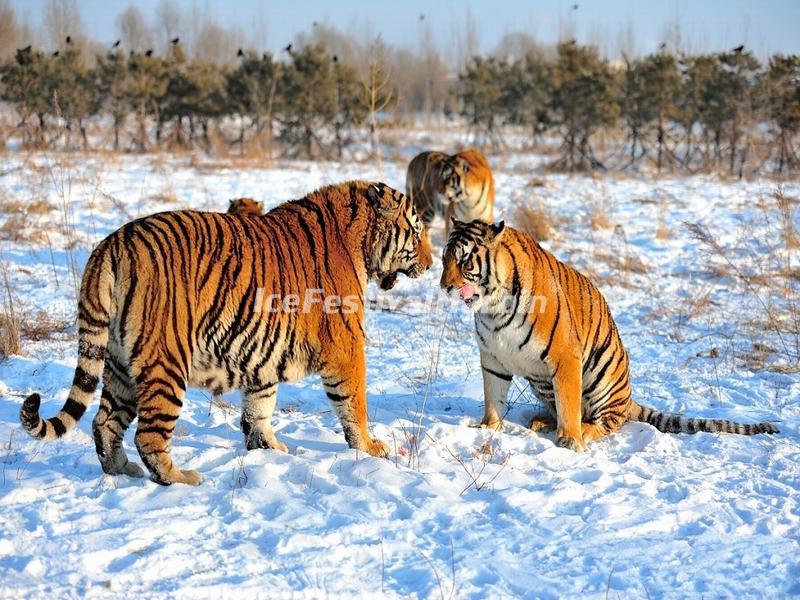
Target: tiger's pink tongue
{"x": 466, "y": 292}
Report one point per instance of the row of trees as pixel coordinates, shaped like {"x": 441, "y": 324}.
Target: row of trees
{"x": 723, "y": 111}
{"x": 705, "y": 111}
{"x": 312, "y": 100}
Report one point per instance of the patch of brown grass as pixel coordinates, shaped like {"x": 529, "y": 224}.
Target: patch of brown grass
{"x": 41, "y": 326}
{"x": 535, "y": 221}
{"x": 598, "y": 218}
{"x": 10, "y": 341}
{"x": 662, "y": 230}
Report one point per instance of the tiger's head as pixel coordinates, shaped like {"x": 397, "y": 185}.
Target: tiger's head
{"x": 245, "y": 206}
{"x": 400, "y": 245}
{"x": 454, "y": 178}
{"x": 468, "y": 260}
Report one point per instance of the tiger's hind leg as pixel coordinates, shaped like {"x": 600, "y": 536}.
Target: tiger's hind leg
{"x": 543, "y": 422}
{"x": 117, "y": 410}
{"x": 258, "y": 404}
{"x": 160, "y": 396}
{"x": 600, "y": 427}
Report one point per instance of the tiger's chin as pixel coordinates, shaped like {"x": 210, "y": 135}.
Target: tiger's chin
{"x": 387, "y": 282}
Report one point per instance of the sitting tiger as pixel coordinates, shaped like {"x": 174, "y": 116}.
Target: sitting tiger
{"x": 540, "y": 319}
{"x": 220, "y": 302}
{"x": 460, "y": 186}
{"x": 245, "y": 206}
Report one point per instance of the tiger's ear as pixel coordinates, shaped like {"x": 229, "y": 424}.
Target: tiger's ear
{"x": 384, "y": 203}
{"x": 456, "y": 222}
{"x": 495, "y": 231}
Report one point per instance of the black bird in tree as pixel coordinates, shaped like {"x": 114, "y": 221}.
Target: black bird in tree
{"x": 240, "y": 52}
{"x": 55, "y": 53}
{"x": 149, "y": 52}
{"x": 288, "y": 48}
{"x": 422, "y": 17}
{"x": 68, "y": 40}
{"x": 116, "y": 44}
{"x": 662, "y": 46}
{"x": 174, "y": 41}
{"x": 738, "y": 49}
{"x": 335, "y": 58}
{"x": 574, "y": 7}
{"x": 314, "y": 24}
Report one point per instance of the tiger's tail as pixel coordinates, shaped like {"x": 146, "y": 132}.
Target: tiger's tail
{"x": 94, "y": 317}
{"x": 674, "y": 423}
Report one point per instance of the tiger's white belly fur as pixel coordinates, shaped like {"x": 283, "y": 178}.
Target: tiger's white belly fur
{"x": 504, "y": 346}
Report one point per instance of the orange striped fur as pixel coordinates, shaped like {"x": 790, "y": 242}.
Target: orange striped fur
{"x": 172, "y": 300}
{"x": 538, "y": 318}
{"x": 460, "y": 186}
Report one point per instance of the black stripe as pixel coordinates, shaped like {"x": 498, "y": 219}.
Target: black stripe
{"x": 498, "y": 375}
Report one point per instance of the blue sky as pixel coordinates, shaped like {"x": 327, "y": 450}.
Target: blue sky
{"x": 766, "y": 27}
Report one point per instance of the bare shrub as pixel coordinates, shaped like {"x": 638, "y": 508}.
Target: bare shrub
{"x": 10, "y": 340}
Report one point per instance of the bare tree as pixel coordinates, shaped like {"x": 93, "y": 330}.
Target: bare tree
{"x": 217, "y": 44}
{"x": 167, "y": 23}
{"x": 62, "y": 20}
{"x": 466, "y": 40}
{"x": 133, "y": 30}
{"x": 378, "y": 94}
{"x": 9, "y": 32}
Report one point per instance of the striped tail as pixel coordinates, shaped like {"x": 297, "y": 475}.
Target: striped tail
{"x": 674, "y": 423}
{"x": 94, "y": 316}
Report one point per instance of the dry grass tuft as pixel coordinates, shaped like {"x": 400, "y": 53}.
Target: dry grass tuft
{"x": 41, "y": 326}
{"x": 535, "y": 221}
{"x": 598, "y": 217}
{"x": 662, "y": 229}
{"x": 10, "y": 340}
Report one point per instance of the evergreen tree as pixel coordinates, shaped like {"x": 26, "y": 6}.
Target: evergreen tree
{"x": 251, "y": 91}
{"x": 527, "y": 92}
{"x": 649, "y": 93}
{"x": 111, "y": 76}
{"x": 738, "y": 76}
{"x": 481, "y": 91}
{"x": 582, "y": 101}
{"x": 308, "y": 99}
{"x": 781, "y": 88}
{"x": 27, "y": 85}
{"x": 145, "y": 88}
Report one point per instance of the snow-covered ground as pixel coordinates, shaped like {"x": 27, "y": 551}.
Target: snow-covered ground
{"x": 455, "y": 511}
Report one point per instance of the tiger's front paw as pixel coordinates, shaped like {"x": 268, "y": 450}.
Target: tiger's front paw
{"x": 572, "y": 443}
{"x": 264, "y": 440}
{"x": 493, "y": 424}
{"x": 377, "y": 448}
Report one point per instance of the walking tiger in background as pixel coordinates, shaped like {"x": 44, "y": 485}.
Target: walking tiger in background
{"x": 460, "y": 186}
{"x": 540, "y": 319}
{"x": 191, "y": 298}
{"x": 245, "y": 206}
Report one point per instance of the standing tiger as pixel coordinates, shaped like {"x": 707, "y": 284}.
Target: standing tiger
{"x": 230, "y": 302}
{"x": 460, "y": 186}
{"x": 537, "y": 318}
{"x": 245, "y": 206}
